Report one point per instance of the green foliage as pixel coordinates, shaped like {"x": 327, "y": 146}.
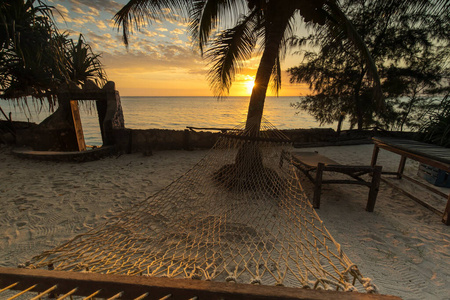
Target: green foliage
{"x": 436, "y": 130}
{"x": 81, "y": 62}
{"x": 408, "y": 41}
{"x": 35, "y": 58}
{"x": 26, "y": 38}
{"x": 415, "y": 91}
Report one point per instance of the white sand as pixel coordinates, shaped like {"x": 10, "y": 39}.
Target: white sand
{"x": 402, "y": 246}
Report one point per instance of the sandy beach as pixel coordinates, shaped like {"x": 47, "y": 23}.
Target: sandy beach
{"x": 402, "y": 246}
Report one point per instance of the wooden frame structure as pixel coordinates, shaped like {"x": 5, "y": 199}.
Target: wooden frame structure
{"x": 63, "y": 285}
{"x": 311, "y": 161}
{"x": 435, "y": 156}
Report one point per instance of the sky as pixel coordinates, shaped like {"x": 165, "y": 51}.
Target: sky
{"x": 160, "y": 59}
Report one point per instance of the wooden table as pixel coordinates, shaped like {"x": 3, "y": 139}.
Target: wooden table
{"x": 312, "y": 161}
{"x": 435, "y": 156}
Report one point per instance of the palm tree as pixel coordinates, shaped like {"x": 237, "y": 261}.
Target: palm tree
{"x": 30, "y": 56}
{"x": 35, "y": 59}
{"x": 268, "y": 22}
{"x": 82, "y": 64}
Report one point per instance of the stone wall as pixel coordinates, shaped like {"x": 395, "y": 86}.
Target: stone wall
{"x": 145, "y": 141}
{"x": 140, "y": 140}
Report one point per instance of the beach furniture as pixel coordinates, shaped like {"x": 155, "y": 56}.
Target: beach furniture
{"x": 309, "y": 162}
{"x": 432, "y": 155}
{"x": 38, "y": 284}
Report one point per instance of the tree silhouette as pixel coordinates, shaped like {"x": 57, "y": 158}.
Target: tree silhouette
{"x": 245, "y": 24}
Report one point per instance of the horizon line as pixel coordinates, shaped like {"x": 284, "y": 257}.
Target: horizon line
{"x": 207, "y": 96}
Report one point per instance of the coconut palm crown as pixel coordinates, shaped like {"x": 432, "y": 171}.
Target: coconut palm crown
{"x": 35, "y": 59}
{"x": 246, "y": 28}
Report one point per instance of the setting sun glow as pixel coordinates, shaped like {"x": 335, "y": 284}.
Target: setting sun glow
{"x": 249, "y": 86}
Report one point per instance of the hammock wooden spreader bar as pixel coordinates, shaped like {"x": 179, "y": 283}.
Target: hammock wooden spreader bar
{"x": 108, "y": 286}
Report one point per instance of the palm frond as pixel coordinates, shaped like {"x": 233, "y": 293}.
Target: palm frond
{"x": 83, "y": 64}
{"x": 206, "y": 14}
{"x": 228, "y": 53}
{"x": 138, "y": 13}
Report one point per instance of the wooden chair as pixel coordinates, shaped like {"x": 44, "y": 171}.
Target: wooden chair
{"x": 308, "y": 162}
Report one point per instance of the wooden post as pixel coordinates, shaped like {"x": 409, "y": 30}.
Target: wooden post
{"x": 339, "y": 127}
{"x": 376, "y": 150}
{"x": 401, "y": 167}
{"x": 374, "y": 188}
{"x": 77, "y": 124}
{"x": 446, "y": 216}
{"x": 101, "y": 112}
{"x": 318, "y": 185}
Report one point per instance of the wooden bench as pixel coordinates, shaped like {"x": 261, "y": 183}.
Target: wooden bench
{"x": 308, "y": 162}
{"x": 432, "y": 155}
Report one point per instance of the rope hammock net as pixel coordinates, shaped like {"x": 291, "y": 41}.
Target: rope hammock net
{"x": 239, "y": 215}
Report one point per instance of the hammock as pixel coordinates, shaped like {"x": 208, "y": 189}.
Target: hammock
{"x": 239, "y": 215}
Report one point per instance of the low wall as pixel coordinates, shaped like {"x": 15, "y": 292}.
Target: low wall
{"x": 140, "y": 140}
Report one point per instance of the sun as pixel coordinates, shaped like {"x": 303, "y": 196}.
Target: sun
{"x": 249, "y": 84}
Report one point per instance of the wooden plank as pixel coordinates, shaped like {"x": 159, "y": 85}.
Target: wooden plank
{"x": 375, "y": 152}
{"x": 343, "y": 181}
{"x": 374, "y": 188}
{"x": 318, "y": 185}
{"x": 135, "y": 286}
{"x": 413, "y": 197}
{"x": 426, "y": 186}
{"x": 435, "y": 156}
{"x": 77, "y": 124}
{"x": 446, "y": 216}
{"x": 419, "y": 158}
{"x": 426, "y": 150}
{"x": 348, "y": 169}
{"x": 401, "y": 167}
{"x": 311, "y": 159}
{"x": 209, "y": 128}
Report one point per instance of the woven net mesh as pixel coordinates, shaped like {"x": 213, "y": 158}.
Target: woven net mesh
{"x": 238, "y": 215}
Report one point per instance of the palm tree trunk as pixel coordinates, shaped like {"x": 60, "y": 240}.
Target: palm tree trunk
{"x": 275, "y": 32}
{"x": 249, "y": 160}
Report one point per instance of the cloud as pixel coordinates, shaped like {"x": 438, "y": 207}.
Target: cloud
{"x": 99, "y": 37}
{"x": 61, "y": 14}
{"x": 93, "y": 12}
{"x": 155, "y": 58}
{"x": 77, "y": 10}
{"x": 177, "y": 31}
{"x": 109, "y": 6}
{"x": 62, "y": 9}
{"x": 101, "y": 25}
{"x": 149, "y": 33}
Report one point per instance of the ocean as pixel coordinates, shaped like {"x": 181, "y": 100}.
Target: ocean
{"x": 177, "y": 113}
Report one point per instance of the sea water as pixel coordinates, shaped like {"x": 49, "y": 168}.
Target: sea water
{"x": 175, "y": 113}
